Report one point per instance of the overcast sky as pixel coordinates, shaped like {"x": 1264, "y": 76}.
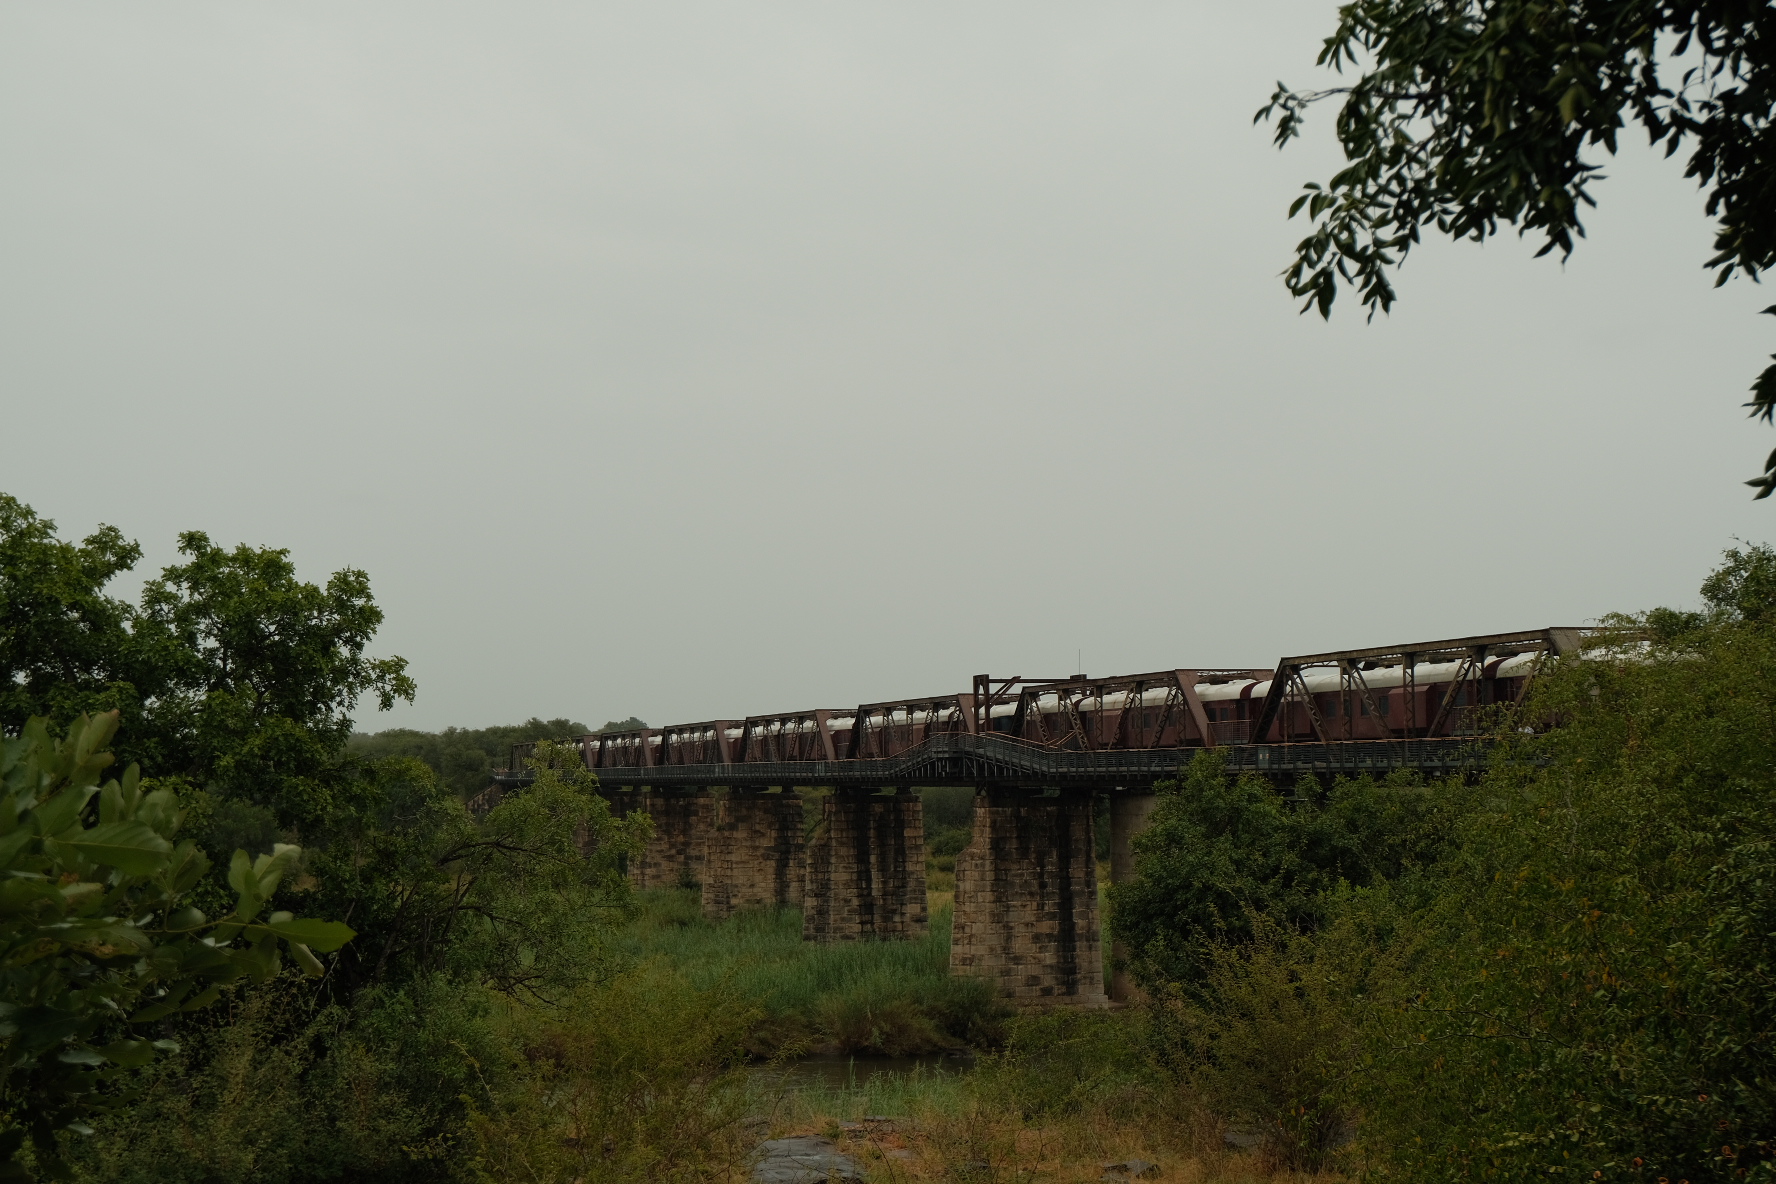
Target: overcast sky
{"x": 700, "y": 360}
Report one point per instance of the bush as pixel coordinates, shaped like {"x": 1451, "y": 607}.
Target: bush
{"x": 1598, "y": 998}
{"x": 1272, "y": 1039}
{"x": 279, "y": 1091}
{"x": 641, "y": 1079}
{"x": 1222, "y": 851}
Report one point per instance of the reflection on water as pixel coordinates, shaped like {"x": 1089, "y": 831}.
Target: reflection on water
{"x": 844, "y": 1072}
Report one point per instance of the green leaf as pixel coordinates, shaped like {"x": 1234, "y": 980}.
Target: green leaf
{"x": 325, "y": 936}
{"x": 186, "y": 919}
{"x": 187, "y": 866}
{"x": 111, "y": 803}
{"x": 310, "y": 964}
{"x": 203, "y": 998}
{"x": 240, "y": 873}
{"x": 130, "y": 847}
{"x": 131, "y": 1054}
{"x": 271, "y": 868}
{"x": 61, "y": 811}
{"x": 12, "y": 845}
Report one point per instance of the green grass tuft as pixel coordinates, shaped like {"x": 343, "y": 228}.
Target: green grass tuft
{"x": 893, "y": 998}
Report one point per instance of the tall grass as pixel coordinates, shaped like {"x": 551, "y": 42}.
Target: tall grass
{"x": 890, "y": 998}
{"x": 795, "y": 1100}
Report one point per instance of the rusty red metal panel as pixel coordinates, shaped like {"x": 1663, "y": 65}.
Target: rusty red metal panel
{"x": 1466, "y": 673}
{"x": 694, "y": 744}
{"x": 792, "y": 736}
{"x": 626, "y": 750}
{"x": 891, "y": 728}
{"x": 1135, "y": 711}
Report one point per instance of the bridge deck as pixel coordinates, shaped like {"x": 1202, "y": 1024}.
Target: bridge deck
{"x": 964, "y": 759}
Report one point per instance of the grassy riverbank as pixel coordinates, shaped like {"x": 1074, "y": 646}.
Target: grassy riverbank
{"x": 862, "y": 998}
{"x": 1050, "y": 1095}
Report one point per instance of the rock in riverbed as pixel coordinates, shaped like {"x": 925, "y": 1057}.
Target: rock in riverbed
{"x": 806, "y": 1160}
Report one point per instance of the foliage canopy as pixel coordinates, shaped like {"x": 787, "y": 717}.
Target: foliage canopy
{"x": 232, "y": 676}
{"x": 1469, "y": 114}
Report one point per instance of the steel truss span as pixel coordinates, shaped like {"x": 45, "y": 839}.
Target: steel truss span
{"x": 1423, "y": 705}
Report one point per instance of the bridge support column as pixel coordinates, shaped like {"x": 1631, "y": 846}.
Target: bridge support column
{"x": 1129, "y": 815}
{"x": 754, "y": 853}
{"x": 674, "y": 856}
{"x": 1027, "y": 898}
{"x": 866, "y": 869}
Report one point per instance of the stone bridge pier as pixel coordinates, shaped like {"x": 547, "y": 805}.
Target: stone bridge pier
{"x": 754, "y": 855}
{"x": 675, "y": 856}
{"x": 1027, "y": 898}
{"x": 866, "y": 868}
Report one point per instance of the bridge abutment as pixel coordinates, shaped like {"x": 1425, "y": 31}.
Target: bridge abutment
{"x": 1026, "y": 914}
{"x": 674, "y": 857}
{"x": 866, "y": 869}
{"x": 755, "y": 854}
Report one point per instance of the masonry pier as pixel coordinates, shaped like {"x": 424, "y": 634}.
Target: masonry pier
{"x": 674, "y": 857}
{"x": 866, "y": 868}
{"x": 754, "y": 854}
{"x": 1027, "y": 898}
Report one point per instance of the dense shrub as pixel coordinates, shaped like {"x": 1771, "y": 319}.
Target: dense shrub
{"x": 1580, "y": 986}
{"x": 1222, "y": 851}
{"x": 278, "y": 1090}
{"x": 1598, "y": 987}
{"x": 640, "y": 1079}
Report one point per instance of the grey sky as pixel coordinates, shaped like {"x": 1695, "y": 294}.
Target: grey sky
{"x": 702, "y": 360}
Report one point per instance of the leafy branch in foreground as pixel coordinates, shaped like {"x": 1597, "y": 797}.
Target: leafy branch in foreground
{"x": 1471, "y": 113}
{"x": 95, "y": 941}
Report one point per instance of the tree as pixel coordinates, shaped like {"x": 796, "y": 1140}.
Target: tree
{"x": 1469, "y": 114}
{"x": 96, "y": 936}
{"x": 518, "y": 901}
{"x": 464, "y": 758}
{"x": 232, "y": 677}
{"x": 259, "y": 673}
{"x": 65, "y": 647}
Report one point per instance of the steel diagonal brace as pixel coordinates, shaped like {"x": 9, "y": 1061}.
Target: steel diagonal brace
{"x": 1354, "y": 673}
{"x": 1476, "y": 657}
{"x": 1072, "y": 709}
{"x": 1299, "y": 681}
{"x": 1186, "y": 686}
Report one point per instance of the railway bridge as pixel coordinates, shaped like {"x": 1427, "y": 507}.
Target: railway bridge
{"x": 726, "y": 795}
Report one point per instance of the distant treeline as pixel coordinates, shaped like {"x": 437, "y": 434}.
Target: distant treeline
{"x": 464, "y": 758}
